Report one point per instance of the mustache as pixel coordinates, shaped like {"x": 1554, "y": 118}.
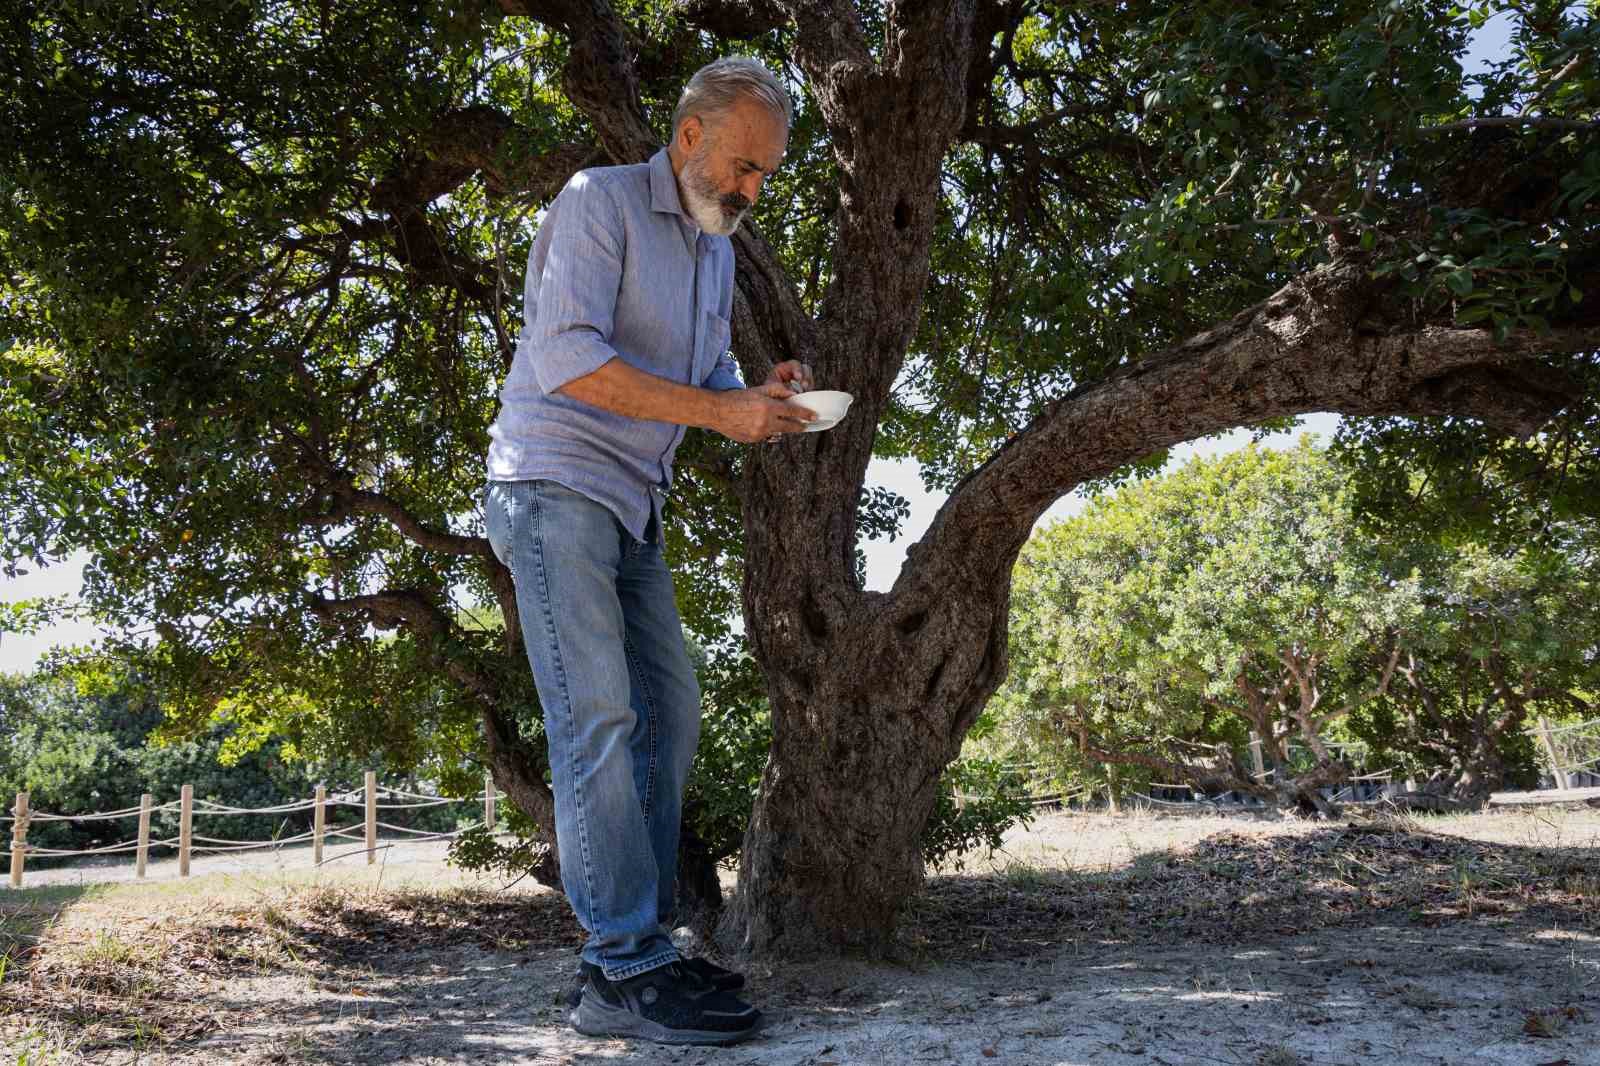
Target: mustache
{"x": 736, "y": 202}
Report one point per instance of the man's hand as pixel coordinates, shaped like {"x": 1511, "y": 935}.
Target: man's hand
{"x": 750, "y": 416}
{"x": 793, "y": 373}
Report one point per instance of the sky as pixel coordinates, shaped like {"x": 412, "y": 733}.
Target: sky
{"x": 19, "y": 653}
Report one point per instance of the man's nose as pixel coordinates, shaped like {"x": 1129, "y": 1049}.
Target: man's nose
{"x": 750, "y": 186}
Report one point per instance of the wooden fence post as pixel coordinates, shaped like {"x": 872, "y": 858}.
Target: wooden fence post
{"x": 372, "y": 817}
{"x": 185, "y": 829}
{"x": 144, "y": 832}
{"x": 19, "y": 838}
{"x": 319, "y": 821}
{"x": 488, "y": 801}
{"x": 1256, "y": 762}
{"x": 1550, "y": 750}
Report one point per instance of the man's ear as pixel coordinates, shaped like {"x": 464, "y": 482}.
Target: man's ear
{"x": 689, "y": 133}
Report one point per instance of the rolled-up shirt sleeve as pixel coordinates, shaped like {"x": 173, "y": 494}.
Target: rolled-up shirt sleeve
{"x": 573, "y": 301}
{"x": 724, "y": 376}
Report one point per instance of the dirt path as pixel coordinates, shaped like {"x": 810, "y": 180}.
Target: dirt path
{"x": 1380, "y": 993}
{"x": 1090, "y": 940}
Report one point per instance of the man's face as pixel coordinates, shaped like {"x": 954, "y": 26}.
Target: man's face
{"x": 729, "y": 155}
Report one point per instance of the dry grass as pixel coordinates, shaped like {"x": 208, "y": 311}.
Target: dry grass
{"x": 143, "y": 967}
{"x": 160, "y": 966}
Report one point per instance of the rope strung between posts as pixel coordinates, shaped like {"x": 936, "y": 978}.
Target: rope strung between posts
{"x": 130, "y": 812}
{"x": 384, "y": 847}
{"x": 129, "y": 845}
{"x": 1172, "y": 803}
{"x": 210, "y": 808}
{"x": 385, "y": 790}
{"x": 355, "y": 832}
{"x": 420, "y": 832}
{"x": 307, "y": 835}
{"x": 202, "y": 806}
{"x": 1556, "y": 730}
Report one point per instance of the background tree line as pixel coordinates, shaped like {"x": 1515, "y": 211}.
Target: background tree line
{"x": 1177, "y": 616}
{"x": 81, "y": 737}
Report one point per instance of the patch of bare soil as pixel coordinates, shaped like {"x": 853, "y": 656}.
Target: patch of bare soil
{"x": 1091, "y": 939}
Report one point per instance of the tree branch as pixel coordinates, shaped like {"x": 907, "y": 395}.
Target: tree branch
{"x": 830, "y": 47}
{"x": 599, "y": 77}
{"x": 740, "y": 19}
{"x": 995, "y": 18}
{"x": 414, "y": 610}
{"x": 351, "y": 501}
{"x": 1309, "y": 348}
{"x": 1380, "y": 689}
{"x": 1226, "y": 776}
{"x": 769, "y": 323}
{"x": 468, "y": 140}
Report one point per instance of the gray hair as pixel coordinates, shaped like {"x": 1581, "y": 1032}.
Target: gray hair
{"x": 721, "y": 83}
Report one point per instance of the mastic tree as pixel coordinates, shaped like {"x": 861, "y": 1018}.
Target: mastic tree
{"x": 1178, "y": 615}
{"x": 1507, "y": 636}
{"x": 260, "y": 259}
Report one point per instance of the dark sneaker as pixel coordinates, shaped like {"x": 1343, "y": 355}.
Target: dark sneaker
{"x": 668, "y": 1005}
{"x": 718, "y": 977}
{"x": 706, "y": 971}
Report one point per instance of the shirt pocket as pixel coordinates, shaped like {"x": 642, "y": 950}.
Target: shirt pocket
{"x": 715, "y": 334}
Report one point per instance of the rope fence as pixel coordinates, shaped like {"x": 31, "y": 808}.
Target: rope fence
{"x": 1570, "y": 752}
{"x": 371, "y": 799}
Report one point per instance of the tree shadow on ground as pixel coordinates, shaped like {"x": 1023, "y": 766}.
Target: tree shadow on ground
{"x": 1235, "y": 886}
{"x": 24, "y": 916}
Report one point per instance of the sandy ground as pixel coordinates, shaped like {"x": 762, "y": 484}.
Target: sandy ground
{"x": 1088, "y": 939}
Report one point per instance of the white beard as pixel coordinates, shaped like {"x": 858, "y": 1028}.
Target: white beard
{"x": 700, "y": 197}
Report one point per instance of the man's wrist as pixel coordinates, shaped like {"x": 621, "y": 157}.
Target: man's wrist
{"x": 715, "y": 404}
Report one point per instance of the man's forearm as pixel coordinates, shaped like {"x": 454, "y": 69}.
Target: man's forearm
{"x": 634, "y": 393}
{"x": 744, "y": 415}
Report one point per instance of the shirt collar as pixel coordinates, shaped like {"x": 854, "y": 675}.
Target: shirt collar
{"x": 664, "y": 198}
{"x": 664, "y": 186}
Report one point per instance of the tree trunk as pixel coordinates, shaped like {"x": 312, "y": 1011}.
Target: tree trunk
{"x": 1483, "y": 770}
{"x": 865, "y": 721}
{"x": 1304, "y": 794}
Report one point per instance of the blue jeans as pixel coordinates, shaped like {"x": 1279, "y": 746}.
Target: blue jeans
{"x": 621, "y": 709}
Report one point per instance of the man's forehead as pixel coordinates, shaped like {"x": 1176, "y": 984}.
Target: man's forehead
{"x": 752, "y": 134}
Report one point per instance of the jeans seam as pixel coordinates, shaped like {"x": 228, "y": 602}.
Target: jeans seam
{"x": 566, "y": 702}
{"x": 650, "y": 718}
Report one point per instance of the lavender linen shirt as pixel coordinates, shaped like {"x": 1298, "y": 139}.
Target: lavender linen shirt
{"x": 618, "y": 271}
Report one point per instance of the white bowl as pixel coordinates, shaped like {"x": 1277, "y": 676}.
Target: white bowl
{"x": 827, "y": 405}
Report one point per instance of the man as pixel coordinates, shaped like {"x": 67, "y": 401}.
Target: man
{"x": 627, "y": 302}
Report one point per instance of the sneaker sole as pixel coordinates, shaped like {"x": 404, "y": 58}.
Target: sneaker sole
{"x": 597, "y": 1019}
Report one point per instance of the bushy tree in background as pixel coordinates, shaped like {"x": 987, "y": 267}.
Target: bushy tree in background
{"x": 1179, "y": 614}
{"x": 1242, "y": 595}
{"x": 1507, "y": 637}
